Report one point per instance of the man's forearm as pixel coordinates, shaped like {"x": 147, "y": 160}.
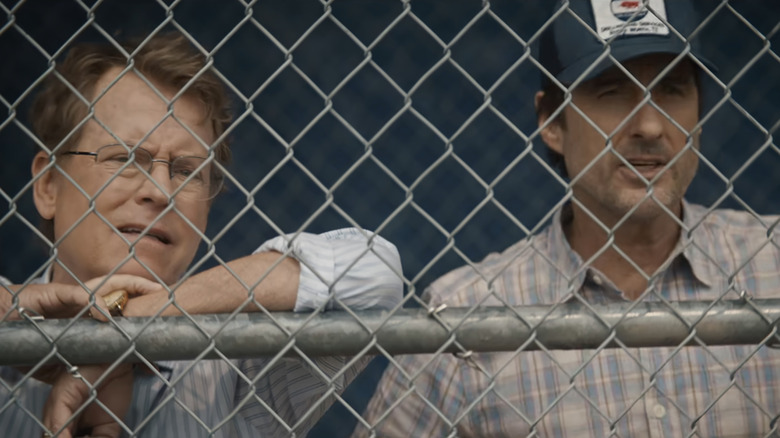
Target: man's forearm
{"x": 347, "y": 267}
{"x": 266, "y": 279}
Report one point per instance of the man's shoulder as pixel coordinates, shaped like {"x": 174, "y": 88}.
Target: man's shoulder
{"x": 468, "y": 284}
{"x": 729, "y": 222}
{"x": 736, "y": 241}
{"x": 42, "y": 279}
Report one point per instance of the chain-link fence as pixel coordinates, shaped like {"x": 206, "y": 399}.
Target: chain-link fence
{"x": 414, "y": 119}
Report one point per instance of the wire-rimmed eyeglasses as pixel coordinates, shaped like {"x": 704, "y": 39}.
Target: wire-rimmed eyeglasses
{"x": 196, "y": 179}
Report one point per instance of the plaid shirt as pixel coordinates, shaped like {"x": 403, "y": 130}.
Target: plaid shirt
{"x": 731, "y": 391}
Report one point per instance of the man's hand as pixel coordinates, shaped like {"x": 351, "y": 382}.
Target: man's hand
{"x": 56, "y": 300}
{"x": 70, "y": 393}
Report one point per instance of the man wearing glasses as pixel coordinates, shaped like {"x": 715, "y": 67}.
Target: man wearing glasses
{"x": 130, "y": 167}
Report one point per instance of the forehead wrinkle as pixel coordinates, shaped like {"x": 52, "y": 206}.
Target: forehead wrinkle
{"x": 172, "y": 134}
{"x": 152, "y": 123}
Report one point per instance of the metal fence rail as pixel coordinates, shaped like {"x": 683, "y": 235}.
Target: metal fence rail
{"x": 406, "y": 331}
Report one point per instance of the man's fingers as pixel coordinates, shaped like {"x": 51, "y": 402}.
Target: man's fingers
{"x": 115, "y": 395}
{"x": 51, "y": 300}
{"x": 66, "y": 397}
{"x": 106, "y": 431}
{"x": 57, "y": 300}
{"x": 132, "y": 284}
{"x": 112, "y": 293}
{"x": 69, "y": 394}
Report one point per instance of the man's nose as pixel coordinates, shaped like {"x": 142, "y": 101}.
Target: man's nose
{"x": 648, "y": 122}
{"x": 157, "y": 186}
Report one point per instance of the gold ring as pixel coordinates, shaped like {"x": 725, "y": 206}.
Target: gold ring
{"x": 115, "y": 301}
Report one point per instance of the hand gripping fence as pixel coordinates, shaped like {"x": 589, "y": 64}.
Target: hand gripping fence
{"x": 413, "y": 119}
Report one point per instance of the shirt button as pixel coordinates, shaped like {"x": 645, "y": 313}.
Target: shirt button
{"x": 659, "y": 411}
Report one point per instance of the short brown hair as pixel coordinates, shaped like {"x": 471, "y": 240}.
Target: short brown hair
{"x": 168, "y": 58}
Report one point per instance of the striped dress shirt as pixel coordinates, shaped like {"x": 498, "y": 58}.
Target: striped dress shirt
{"x": 252, "y": 397}
{"x": 724, "y": 391}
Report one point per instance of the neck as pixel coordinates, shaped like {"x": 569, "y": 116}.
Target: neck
{"x": 58, "y": 275}
{"x": 647, "y": 242}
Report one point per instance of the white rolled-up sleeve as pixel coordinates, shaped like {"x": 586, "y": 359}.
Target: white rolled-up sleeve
{"x": 346, "y": 267}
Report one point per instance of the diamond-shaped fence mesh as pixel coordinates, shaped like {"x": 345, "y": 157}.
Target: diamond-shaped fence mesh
{"x": 415, "y": 120}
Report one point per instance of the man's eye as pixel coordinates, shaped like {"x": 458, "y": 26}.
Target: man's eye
{"x": 118, "y": 158}
{"x": 672, "y": 88}
{"x": 609, "y": 91}
{"x": 185, "y": 172}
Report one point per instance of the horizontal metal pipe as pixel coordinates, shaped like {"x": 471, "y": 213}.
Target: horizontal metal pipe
{"x": 566, "y": 326}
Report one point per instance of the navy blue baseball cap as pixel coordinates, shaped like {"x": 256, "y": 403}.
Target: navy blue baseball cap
{"x": 627, "y": 28}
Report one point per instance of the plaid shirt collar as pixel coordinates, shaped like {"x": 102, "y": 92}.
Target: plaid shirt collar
{"x": 693, "y": 246}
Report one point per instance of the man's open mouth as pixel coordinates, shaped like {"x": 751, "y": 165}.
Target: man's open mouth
{"x": 151, "y": 233}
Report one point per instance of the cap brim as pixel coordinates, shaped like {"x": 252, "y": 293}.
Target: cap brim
{"x": 621, "y": 53}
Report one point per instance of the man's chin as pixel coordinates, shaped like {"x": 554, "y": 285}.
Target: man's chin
{"x": 643, "y": 207}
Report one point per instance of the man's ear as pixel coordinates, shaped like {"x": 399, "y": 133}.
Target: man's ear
{"x": 551, "y": 133}
{"x": 45, "y": 187}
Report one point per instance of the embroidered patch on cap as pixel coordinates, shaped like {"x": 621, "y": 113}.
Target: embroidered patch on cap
{"x": 629, "y": 17}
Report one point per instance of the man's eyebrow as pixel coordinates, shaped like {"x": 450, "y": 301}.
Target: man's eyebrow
{"x": 130, "y": 143}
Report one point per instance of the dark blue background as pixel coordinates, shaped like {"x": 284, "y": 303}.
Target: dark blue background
{"x": 422, "y": 188}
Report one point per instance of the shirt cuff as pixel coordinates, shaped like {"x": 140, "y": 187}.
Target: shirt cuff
{"x": 346, "y": 267}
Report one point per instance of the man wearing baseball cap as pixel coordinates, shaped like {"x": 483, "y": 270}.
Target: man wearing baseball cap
{"x": 620, "y": 108}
